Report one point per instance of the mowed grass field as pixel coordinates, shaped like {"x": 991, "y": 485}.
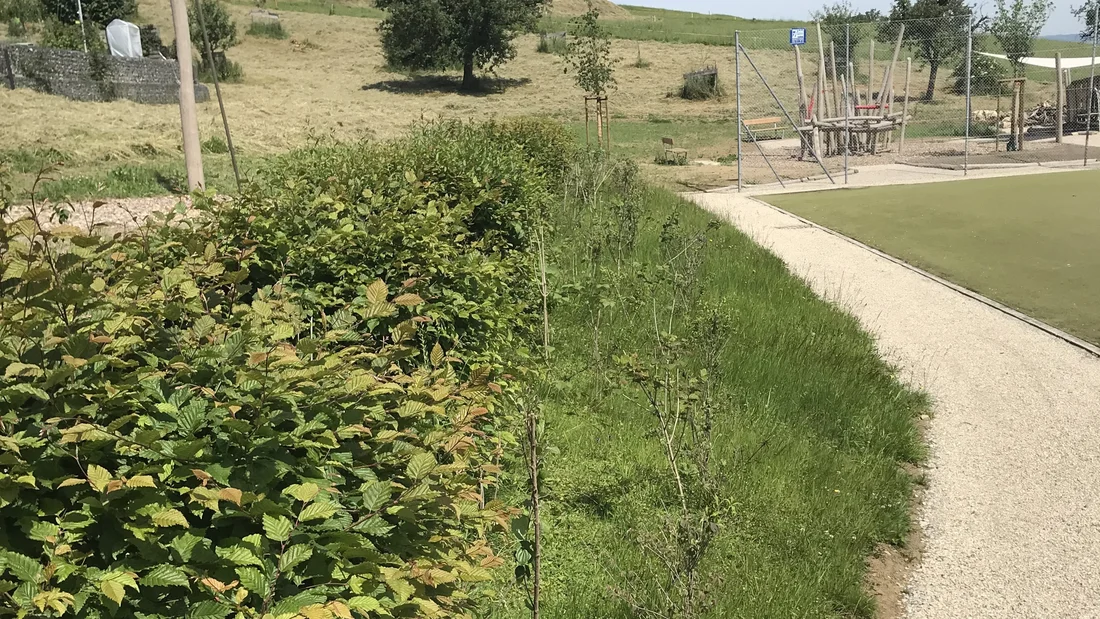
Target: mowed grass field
{"x": 330, "y": 79}
{"x": 1031, "y": 242}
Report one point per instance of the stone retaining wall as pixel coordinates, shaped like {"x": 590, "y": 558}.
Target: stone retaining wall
{"x": 92, "y": 77}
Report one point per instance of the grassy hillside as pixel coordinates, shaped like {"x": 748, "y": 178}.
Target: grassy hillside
{"x": 647, "y": 24}
{"x": 329, "y": 78}
{"x": 607, "y": 9}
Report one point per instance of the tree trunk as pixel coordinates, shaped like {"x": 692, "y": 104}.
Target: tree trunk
{"x": 469, "y": 80}
{"x": 933, "y": 69}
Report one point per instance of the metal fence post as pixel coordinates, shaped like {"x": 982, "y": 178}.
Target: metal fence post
{"x": 1091, "y": 91}
{"x": 969, "y": 111}
{"x": 847, "y": 98}
{"x": 737, "y": 86}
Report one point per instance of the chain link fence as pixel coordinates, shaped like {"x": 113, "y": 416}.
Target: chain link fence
{"x": 819, "y": 101}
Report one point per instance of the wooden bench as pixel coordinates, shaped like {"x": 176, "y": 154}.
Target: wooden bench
{"x": 673, "y": 155}
{"x": 764, "y": 123}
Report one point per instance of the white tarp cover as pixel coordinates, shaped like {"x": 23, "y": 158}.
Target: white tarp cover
{"x": 124, "y": 39}
{"x": 1048, "y": 63}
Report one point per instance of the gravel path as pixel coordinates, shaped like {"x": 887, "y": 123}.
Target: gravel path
{"x": 117, "y": 213}
{"x": 1012, "y": 517}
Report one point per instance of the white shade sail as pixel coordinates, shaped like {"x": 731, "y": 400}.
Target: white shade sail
{"x": 1048, "y": 63}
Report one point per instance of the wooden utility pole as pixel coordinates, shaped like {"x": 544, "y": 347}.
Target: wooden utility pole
{"x": 192, "y": 154}
{"x": 836, "y": 81}
{"x": 803, "y": 105}
{"x": 871, "y": 76}
{"x": 825, "y": 82}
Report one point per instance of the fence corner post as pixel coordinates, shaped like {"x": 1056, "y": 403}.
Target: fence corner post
{"x": 737, "y": 87}
{"x": 969, "y": 103}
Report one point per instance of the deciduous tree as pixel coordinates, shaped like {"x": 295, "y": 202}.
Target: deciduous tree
{"x": 97, "y": 11}
{"x": 936, "y": 31}
{"x": 589, "y": 54}
{"x": 1016, "y": 25}
{"x": 844, "y": 26}
{"x": 444, "y": 34}
{"x": 1087, "y": 14}
{"x": 221, "y": 29}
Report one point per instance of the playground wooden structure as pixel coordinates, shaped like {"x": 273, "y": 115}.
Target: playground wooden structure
{"x": 838, "y": 116}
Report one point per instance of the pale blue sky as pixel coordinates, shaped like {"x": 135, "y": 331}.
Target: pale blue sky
{"x": 1062, "y": 22}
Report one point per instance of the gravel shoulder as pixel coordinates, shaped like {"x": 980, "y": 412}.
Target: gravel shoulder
{"x": 117, "y": 214}
{"x": 1011, "y": 519}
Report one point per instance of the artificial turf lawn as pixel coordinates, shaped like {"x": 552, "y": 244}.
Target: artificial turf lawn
{"x": 1031, "y": 242}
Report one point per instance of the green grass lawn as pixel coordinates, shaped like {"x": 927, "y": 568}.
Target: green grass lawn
{"x": 641, "y": 139}
{"x": 1030, "y": 242}
{"x": 811, "y": 427}
{"x": 67, "y": 178}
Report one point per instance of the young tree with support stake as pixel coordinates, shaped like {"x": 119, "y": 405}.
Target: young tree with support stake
{"x": 589, "y": 57}
{"x": 443, "y": 34}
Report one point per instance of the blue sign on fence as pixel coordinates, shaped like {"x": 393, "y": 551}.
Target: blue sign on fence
{"x": 798, "y": 36}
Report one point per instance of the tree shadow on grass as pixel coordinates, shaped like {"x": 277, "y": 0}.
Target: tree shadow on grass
{"x": 446, "y": 84}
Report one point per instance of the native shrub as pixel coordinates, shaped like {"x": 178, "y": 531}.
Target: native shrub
{"x": 232, "y": 413}
{"x": 451, "y": 209}
{"x": 179, "y": 439}
{"x": 546, "y": 143}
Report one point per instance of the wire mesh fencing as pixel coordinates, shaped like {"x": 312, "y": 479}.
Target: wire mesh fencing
{"x": 816, "y": 101}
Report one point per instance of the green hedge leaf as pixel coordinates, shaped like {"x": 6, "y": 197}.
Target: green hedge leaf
{"x": 277, "y": 528}
{"x": 253, "y": 579}
{"x": 238, "y": 555}
{"x": 420, "y": 466}
{"x": 318, "y": 511}
{"x": 165, "y": 576}
{"x": 294, "y": 555}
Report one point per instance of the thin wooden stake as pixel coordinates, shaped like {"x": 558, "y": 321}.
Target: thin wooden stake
{"x": 587, "y": 124}
{"x": 871, "y": 76}
{"x": 218, "y": 90}
{"x": 1020, "y": 124}
{"x": 905, "y": 104}
{"x": 836, "y": 88}
{"x": 803, "y": 106}
{"x": 886, "y": 93}
{"x": 820, "y": 110}
{"x": 824, "y": 79}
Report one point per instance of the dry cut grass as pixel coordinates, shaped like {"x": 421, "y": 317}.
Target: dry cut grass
{"x": 568, "y": 8}
{"x": 330, "y": 78}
